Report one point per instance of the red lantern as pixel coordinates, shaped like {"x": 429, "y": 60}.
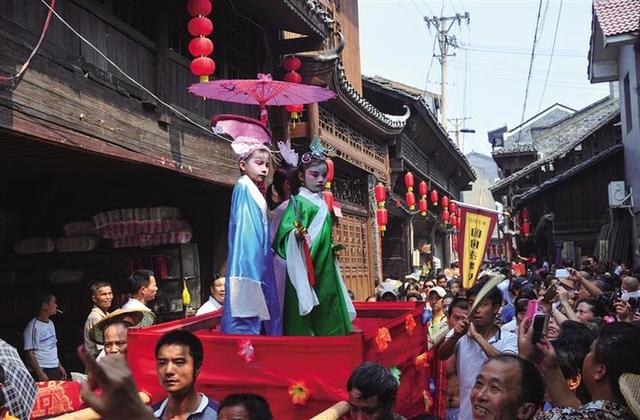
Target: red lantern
{"x": 526, "y": 229}
{"x": 525, "y": 214}
{"x": 411, "y": 200}
{"x": 294, "y": 108}
{"x": 328, "y": 198}
{"x": 200, "y": 26}
{"x": 383, "y": 218}
{"x": 199, "y": 7}
{"x": 422, "y": 188}
{"x": 445, "y": 202}
{"x": 453, "y": 220}
{"x": 408, "y": 181}
{"x": 452, "y": 207}
{"x": 445, "y": 215}
{"x": 380, "y": 193}
{"x": 292, "y": 77}
{"x": 200, "y": 46}
{"x": 434, "y": 197}
{"x": 330, "y": 173}
{"x": 291, "y": 63}
{"x": 422, "y": 206}
{"x": 202, "y": 66}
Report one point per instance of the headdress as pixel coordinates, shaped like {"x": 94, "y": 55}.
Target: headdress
{"x": 248, "y": 134}
{"x": 288, "y": 154}
{"x": 316, "y": 151}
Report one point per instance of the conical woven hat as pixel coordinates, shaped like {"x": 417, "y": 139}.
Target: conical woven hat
{"x": 630, "y": 387}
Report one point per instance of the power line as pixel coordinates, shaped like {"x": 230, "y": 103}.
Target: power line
{"x": 580, "y": 55}
{"x": 131, "y": 79}
{"x": 533, "y": 55}
{"x": 553, "y": 47}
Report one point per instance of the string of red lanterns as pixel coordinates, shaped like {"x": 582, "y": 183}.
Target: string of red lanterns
{"x": 292, "y": 64}
{"x": 410, "y": 196}
{"x": 380, "y": 193}
{"x": 525, "y": 227}
{"x": 201, "y": 47}
{"x": 423, "y": 206}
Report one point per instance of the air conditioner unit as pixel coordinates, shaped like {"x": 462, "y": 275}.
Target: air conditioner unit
{"x": 617, "y": 194}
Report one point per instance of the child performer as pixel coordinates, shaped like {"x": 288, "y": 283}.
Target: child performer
{"x": 251, "y": 299}
{"x": 316, "y": 301}
{"x": 278, "y": 195}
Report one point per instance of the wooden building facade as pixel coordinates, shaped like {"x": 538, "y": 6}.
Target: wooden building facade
{"x": 426, "y": 150}
{"x": 566, "y": 190}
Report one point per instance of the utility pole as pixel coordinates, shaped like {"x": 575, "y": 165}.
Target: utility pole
{"x": 456, "y": 123}
{"x": 442, "y": 26}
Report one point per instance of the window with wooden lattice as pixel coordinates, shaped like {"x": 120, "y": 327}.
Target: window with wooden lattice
{"x": 355, "y": 263}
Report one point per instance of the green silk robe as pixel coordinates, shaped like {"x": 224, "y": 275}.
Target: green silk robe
{"x": 330, "y": 314}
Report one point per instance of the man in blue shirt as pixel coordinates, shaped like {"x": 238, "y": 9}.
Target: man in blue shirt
{"x": 178, "y": 362}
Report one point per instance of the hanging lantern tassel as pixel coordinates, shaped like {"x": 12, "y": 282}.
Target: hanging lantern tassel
{"x": 201, "y": 47}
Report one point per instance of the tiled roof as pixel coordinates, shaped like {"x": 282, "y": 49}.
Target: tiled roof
{"x": 568, "y": 134}
{"x": 617, "y": 17}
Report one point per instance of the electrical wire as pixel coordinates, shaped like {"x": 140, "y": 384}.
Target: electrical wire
{"x": 533, "y": 55}
{"x": 131, "y": 79}
{"x": 553, "y": 47}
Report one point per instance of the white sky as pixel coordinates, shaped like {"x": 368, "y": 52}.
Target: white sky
{"x": 396, "y": 44}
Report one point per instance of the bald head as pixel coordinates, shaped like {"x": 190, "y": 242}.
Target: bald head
{"x": 115, "y": 338}
{"x": 630, "y": 284}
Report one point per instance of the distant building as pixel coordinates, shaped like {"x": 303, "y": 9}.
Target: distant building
{"x": 614, "y": 56}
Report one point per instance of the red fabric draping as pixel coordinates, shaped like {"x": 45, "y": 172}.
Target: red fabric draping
{"x": 323, "y": 364}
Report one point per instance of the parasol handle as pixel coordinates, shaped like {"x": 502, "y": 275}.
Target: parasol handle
{"x": 263, "y": 114}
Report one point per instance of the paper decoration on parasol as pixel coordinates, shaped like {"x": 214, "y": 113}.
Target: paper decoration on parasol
{"x": 262, "y": 91}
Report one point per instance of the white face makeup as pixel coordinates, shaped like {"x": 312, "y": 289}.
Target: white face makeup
{"x": 315, "y": 177}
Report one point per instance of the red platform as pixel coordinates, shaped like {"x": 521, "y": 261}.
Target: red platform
{"x": 322, "y": 363}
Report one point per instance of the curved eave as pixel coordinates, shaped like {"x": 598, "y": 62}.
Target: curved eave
{"x": 423, "y": 108}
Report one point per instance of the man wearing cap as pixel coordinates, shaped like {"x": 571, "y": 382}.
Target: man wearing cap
{"x": 438, "y": 317}
{"x": 111, "y": 331}
{"x": 251, "y": 303}
{"x": 387, "y": 293}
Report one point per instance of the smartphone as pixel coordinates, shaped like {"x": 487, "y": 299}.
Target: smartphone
{"x": 532, "y": 309}
{"x": 538, "y": 325}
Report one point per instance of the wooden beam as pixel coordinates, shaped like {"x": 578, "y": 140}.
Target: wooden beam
{"x": 298, "y": 45}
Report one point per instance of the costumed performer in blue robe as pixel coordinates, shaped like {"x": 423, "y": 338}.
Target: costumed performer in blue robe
{"x": 251, "y": 305}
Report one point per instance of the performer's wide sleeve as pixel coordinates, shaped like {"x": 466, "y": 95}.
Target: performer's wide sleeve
{"x": 281, "y": 238}
{"x": 247, "y": 241}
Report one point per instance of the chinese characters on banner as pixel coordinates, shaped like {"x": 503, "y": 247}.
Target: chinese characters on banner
{"x": 476, "y": 228}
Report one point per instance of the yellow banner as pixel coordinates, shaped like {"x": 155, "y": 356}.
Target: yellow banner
{"x": 477, "y": 227}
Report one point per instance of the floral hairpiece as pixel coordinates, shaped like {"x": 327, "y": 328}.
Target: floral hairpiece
{"x": 288, "y": 154}
{"x": 317, "y": 151}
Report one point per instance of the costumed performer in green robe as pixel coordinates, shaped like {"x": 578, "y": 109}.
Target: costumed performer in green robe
{"x": 316, "y": 302}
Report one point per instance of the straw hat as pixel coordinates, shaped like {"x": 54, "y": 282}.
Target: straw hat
{"x": 630, "y": 387}
{"x": 137, "y": 318}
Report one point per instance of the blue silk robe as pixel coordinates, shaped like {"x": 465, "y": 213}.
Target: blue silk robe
{"x": 251, "y": 300}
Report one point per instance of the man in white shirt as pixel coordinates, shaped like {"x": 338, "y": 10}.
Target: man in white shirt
{"x": 102, "y": 296}
{"x": 475, "y": 342}
{"x": 143, "y": 288}
{"x": 216, "y": 300}
{"x": 41, "y": 343}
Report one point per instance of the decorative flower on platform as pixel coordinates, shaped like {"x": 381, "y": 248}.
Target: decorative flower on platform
{"x": 246, "y": 350}
{"x": 299, "y": 393}
{"x": 396, "y": 373}
{"x": 383, "y": 339}
{"x": 409, "y": 324}
{"x": 422, "y": 360}
{"x": 428, "y": 401}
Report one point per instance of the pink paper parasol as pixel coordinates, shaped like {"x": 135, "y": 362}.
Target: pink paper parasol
{"x": 262, "y": 92}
